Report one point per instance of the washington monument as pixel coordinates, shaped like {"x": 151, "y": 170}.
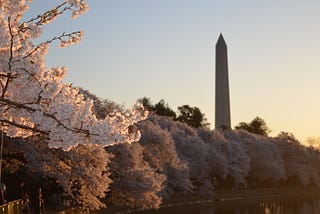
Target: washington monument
{"x": 222, "y": 113}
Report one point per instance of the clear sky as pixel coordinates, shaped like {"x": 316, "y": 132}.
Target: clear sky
{"x": 164, "y": 49}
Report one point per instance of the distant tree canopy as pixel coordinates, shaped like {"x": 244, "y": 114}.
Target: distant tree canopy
{"x": 256, "y": 126}
{"x": 187, "y": 114}
{"x": 313, "y": 141}
{"x": 160, "y": 108}
{"x": 288, "y": 138}
{"x": 101, "y": 107}
{"x": 192, "y": 116}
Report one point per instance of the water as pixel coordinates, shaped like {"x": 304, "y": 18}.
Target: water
{"x": 272, "y": 206}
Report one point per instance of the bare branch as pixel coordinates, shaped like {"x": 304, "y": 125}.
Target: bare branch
{"x": 11, "y": 44}
{"x": 6, "y": 76}
{"x": 33, "y": 76}
{"x": 5, "y": 87}
{"x": 16, "y": 105}
{"x": 39, "y": 97}
{"x": 24, "y": 126}
{"x": 2, "y": 86}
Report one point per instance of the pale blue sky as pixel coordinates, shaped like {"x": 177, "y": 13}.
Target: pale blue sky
{"x": 164, "y": 49}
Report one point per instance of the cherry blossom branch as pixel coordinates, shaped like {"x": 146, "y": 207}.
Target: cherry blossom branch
{"x": 61, "y": 38}
{"x": 45, "y": 17}
{"x": 16, "y": 105}
{"x": 77, "y": 130}
{"x": 24, "y": 127}
{"x": 48, "y": 16}
{"x": 37, "y": 101}
{"x": 52, "y": 116}
{"x": 51, "y": 108}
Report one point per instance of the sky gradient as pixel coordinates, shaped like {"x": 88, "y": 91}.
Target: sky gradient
{"x": 165, "y": 49}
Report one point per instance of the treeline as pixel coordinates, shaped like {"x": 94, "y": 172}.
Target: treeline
{"x": 185, "y": 160}
{"x": 171, "y": 158}
{"x": 186, "y": 114}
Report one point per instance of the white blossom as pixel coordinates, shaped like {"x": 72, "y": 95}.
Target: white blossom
{"x": 34, "y": 98}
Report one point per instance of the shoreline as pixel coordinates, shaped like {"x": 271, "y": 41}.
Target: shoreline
{"x": 224, "y": 197}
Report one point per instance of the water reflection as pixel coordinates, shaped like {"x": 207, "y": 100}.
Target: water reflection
{"x": 310, "y": 206}
{"x": 278, "y": 206}
{"x": 271, "y": 207}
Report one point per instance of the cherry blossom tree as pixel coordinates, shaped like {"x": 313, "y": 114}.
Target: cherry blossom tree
{"x": 35, "y": 102}
{"x": 160, "y": 152}
{"x": 193, "y": 151}
{"x": 238, "y": 161}
{"x": 266, "y": 164}
{"x": 299, "y": 165}
{"x": 82, "y": 172}
{"x": 33, "y": 98}
{"x": 134, "y": 183}
{"x": 207, "y": 153}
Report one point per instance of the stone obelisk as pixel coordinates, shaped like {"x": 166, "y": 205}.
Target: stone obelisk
{"x": 222, "y": 113}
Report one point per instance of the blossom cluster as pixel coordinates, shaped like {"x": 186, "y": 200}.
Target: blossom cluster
{"x": 33, "y": 98}
{"x": 81, "y": 5}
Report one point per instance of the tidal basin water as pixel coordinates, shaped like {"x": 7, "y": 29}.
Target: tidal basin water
{"x": 270, "y": 206}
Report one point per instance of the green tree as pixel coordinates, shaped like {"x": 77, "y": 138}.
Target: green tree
{"x": 146, "y": 102}
{"x": 186, "y": 114}
{"x": 288, "y": 138}
{"x": 192, "y": 116}
{"x": 161, "y": 108}
{"x": 256, "y": 126}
